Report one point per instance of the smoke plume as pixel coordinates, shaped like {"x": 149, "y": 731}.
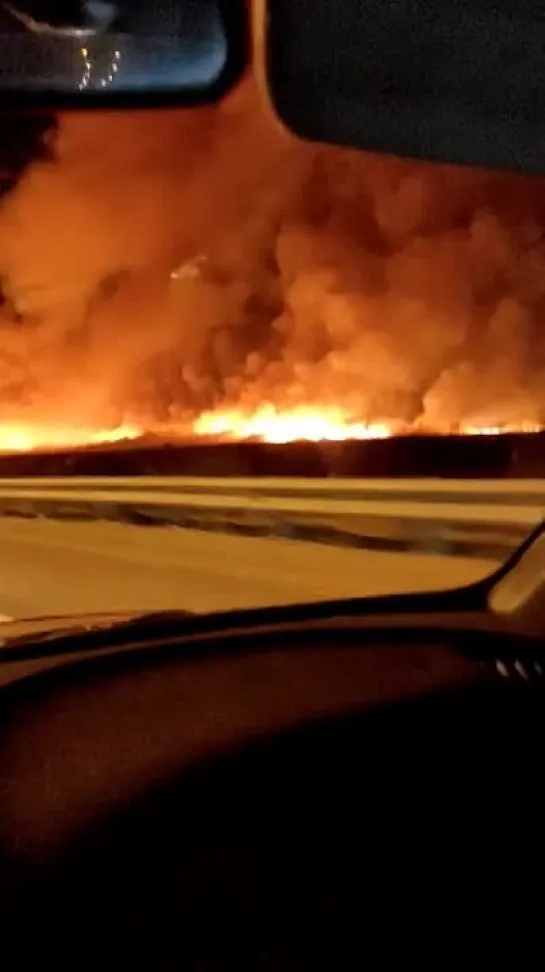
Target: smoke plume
{"x": 162, "y": 264}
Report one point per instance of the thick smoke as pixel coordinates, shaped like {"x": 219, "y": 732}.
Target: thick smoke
{"x": 162, "y": 264}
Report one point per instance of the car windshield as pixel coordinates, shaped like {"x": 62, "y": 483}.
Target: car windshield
{"x": 299, "y": 372}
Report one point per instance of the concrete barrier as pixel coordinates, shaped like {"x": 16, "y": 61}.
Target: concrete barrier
{"x": 449, "y": 516}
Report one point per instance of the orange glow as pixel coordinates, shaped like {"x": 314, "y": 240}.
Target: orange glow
{"x": 270, "y": 424}
{"x": 28, "y": 436}
{"x": 327, "y": 424}
{"x": 266, "y": 424}
{"x": 524, "y": 428}
{"x": 155, "y": 264}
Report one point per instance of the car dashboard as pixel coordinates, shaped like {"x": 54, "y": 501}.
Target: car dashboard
{"x": 270, "y": 800}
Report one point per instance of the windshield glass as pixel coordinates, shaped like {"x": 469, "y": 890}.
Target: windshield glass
{"x": 194, "y": 293}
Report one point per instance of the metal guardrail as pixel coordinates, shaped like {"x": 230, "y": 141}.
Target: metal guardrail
{"x": 475, "y": 518}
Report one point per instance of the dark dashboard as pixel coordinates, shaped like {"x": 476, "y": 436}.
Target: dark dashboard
{"x": 289, "y": 800}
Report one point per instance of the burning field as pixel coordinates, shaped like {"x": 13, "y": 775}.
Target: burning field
{"x": 202, "y": 275}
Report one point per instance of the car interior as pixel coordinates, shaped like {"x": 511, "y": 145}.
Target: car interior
{"x": 332, "y": 788}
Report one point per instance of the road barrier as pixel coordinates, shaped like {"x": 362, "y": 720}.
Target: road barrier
{"x": 476, "y": 518}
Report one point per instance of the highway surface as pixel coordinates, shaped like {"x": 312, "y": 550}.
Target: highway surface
{"x": 68, "y": 567}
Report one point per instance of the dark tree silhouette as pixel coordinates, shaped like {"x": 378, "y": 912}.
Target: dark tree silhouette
{"x": 24, "y": 137}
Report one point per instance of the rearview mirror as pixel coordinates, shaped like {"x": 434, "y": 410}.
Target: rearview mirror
{"x": 119, "y": 53}
{"x": 451, "y": 80}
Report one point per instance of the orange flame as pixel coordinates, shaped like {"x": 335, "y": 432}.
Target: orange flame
{"x": 266, "y": 424}
{"x": 29, "y": 436}
{"x": 270, "y": 424}
{"x": 524, "y": 428}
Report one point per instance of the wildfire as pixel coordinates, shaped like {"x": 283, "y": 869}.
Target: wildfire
{"x": 315, "y": 293}
{"x": 29, "y": 437}
{"x": 524, "y": 428}
{"x": 327, "y": 424}
{"x": 307, "y": 424}
{"x": 266, "y": 424}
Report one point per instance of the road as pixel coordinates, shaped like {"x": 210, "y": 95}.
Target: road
{"x": 68, "y": 567}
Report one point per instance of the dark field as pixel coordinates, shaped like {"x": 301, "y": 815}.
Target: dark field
{"x": 494, "y": 457}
